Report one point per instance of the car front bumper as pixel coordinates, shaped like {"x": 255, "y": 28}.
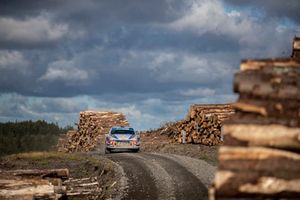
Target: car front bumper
{"x": 123, "y": 145}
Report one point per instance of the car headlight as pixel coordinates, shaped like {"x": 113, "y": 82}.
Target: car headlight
{"x": 135, "y": 141}
{"x": 110, "y": 140}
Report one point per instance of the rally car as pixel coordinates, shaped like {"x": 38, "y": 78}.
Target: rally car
{"x": 122, "y": 138}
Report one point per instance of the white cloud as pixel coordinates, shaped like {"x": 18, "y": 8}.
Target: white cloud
{"x": 65, "y": 71}
{"x": 202, "y": 68}
{"x": 210, "y": 16}
{"x": 198, "y": 92}
{"x": 13, "y": 60}
{"x": 31, "y": 30}
{"x": 153, "y": 102}
{"x": 202, "y": 16}
{"x": 161, "y": 59}
{"x": 177, "y": 66}
{"x": 64, "y": 111}
{"x": 142, "y": 115}
{"x": 131, "y": 112}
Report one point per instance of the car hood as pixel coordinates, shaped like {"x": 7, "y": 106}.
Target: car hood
{"x": 123, "y": 136}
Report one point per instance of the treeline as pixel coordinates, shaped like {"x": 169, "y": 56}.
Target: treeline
{"x": 16, "y": 137}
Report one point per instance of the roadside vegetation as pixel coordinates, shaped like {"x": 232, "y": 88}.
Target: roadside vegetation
{"x": 26, "y": 136}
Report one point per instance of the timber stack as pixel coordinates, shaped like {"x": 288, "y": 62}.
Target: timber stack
{"x": 260, "y": 158}
{"x": 202, "y": 125}
{"x": 222, "y": 111}
{"x": 51, "y": 184}
{"x": 296, "y": 48}
{"x": 200, "y": 129}
{"x": 92, "y": 126}
{"x": 33, "y": 184}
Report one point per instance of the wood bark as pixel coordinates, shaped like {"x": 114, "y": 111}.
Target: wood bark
{"x": 83, "y": 186}
{"x": 276, "y": 136}
{"x": 263, "y": 63}
{"x": 284, "y": 84}
{"x": 252, "y": 118}
{"x": 245, "y": 107}
{"x": 296, "y": 48}
{"x": 27, "y": 189}
{"x": 270, "y": 108}
{"x": 296, "y": 53}
{"x": 296, "y": 43}
{"x": 252, "y": 184}
{"x": 259, "y": 159}
{"x": 37, "y": 184}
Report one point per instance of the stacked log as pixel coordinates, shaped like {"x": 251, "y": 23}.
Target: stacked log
{"x": 62, "y": 141}
{"x": 202, "y": 125}
{"x": 92, "y": 126}
{"x": 81, "y": 187}
{"x": 260, "y": 157}
{"x": 33, "y": 184}
{"x": 296, "y": 48}
{"x": 222, "y": 111}
{"x": 52, "y": 184}
{"x": 200, "y": 129}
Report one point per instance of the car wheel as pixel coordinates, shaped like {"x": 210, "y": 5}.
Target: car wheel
{"x": 136, "y": 150}
{"x": 107, "y": 151}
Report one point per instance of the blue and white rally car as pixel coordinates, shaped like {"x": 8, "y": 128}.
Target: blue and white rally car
{"x": 122, "y": 138}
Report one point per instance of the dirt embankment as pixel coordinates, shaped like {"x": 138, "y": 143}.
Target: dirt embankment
{"x": 81, "y": 167}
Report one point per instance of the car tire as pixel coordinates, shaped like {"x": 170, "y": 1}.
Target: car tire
{"x": 107, "y": 151}
{"x": 136, "y": 150}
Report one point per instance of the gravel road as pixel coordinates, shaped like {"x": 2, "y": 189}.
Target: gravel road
{"x": 162, "y": 176}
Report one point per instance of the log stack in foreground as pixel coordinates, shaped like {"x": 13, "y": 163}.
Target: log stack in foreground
{"x": 33, "y": 184}
{"x": 92, "y": 126}
{"x": 202, "y": 125}
{"x": 50, "y": 184}
{"x": 296, "y": 48}
{"x": 260, "y": 158}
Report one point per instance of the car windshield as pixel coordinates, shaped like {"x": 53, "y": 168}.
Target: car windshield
{"x": 122, "y": 132}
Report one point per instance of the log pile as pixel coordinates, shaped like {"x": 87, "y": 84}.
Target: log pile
{"x": 52, "y": 184}
{"x": 92, "y": 126}
{"x": 33, "y": 184}
{"x": 202, "y": 125}
{"x": 200, "y": 129}
{"x": 80, "y": 187}
{"x": 222, "y": 111}
{"x": 296, "y": 48}
{"x": 260, "y": 158}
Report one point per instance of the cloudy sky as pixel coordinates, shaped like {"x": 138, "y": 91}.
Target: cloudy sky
{"x": 147, "y": 59}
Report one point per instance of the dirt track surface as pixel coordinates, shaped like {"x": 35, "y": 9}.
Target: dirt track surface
{"x": 162, "y": 176}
